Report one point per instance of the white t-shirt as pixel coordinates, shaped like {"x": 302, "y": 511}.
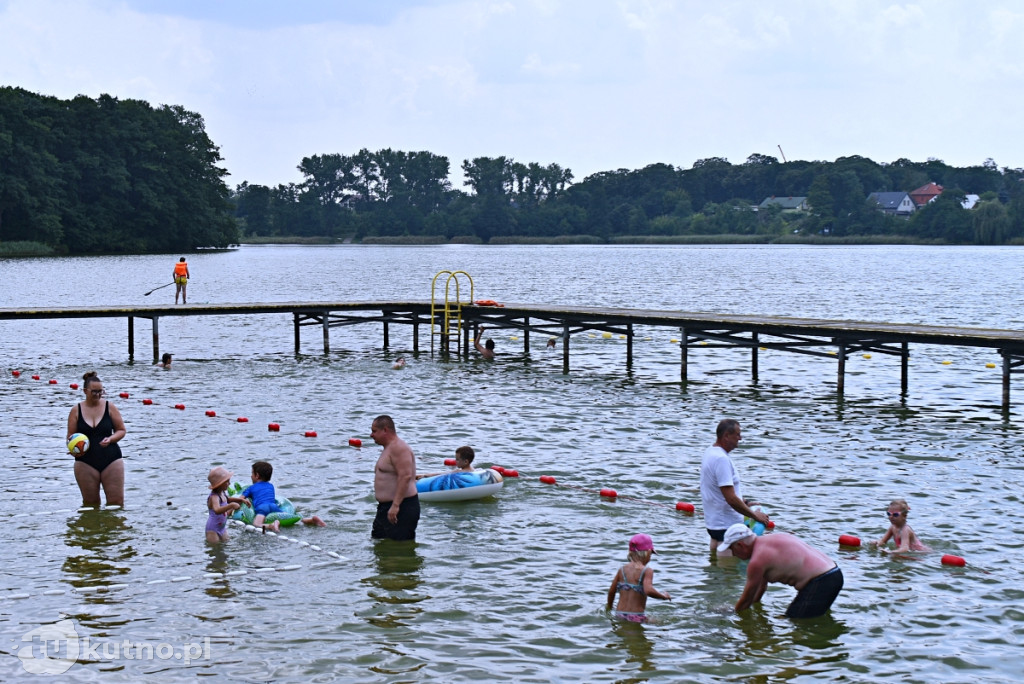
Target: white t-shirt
{"x": 717, "y": 471}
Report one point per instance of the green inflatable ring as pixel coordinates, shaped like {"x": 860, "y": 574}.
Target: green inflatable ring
{"x": 287, "y": 516}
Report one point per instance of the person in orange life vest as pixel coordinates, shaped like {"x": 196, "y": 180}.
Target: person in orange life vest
{"x": 181, "y": 276}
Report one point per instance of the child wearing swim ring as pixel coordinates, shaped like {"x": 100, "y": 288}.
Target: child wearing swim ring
{"x": 899, "y": 531}
{"x": 634, "y": 582}
{"x": 220, "y": 505}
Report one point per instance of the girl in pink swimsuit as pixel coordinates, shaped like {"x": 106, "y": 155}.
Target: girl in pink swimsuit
{"x": 634, "y": 582}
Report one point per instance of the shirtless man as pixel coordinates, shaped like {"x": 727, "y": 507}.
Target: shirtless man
{"x": 784, "y": 559}
{"x": 486, "y": 351}
{"x": 394, "y": 484}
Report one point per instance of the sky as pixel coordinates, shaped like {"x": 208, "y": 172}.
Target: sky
{"x": 592, "y": 85}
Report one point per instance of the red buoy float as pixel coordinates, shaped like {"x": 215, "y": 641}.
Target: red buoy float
{"x": 498, "y": 469}
{"x": 35, "y": 377}
{"x": 848, "y": 540}
{"x": 243, "y": 419}
{"x": 355, "y": 442}
{"x": 310, "y": 433}
{"x": 771, "y": 524}
{"x": 52, "y": 381}
{"x": 146, "y": 402}
{"x": 609, "y": 493}
{"x": 509, "y": 472}
{"x": 449, "y": 461}
{"x": 273, "y": 427}
{"x": 685, "y": 507}
{"x": 73, "y": 385}
{"x": 547, "y": 479}
{"x": 16, "y": 373}
{"x": 212, "y": 414}
{"x": 180, "y": 407}
{"x": 124, "y": 395}
{"x": 949, "y": 559}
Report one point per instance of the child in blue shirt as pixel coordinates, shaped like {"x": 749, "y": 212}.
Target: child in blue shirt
{"x": 263, "y": 498}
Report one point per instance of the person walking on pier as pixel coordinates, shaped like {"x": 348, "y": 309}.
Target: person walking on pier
{"x": 720, "y": 485}
{"x": 394, "y": 484}
{"x": 181, "y": 276}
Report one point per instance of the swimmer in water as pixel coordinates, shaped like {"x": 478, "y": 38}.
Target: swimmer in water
{"x": 399, "y": 363}
{"x": 899, "y": 531}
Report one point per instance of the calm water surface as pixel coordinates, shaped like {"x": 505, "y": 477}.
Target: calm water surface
{"x": 512, "y": 588}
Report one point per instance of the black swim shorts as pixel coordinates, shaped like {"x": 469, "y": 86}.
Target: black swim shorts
{"x": 408, "y": 518}
{"x": 817, "y": 595}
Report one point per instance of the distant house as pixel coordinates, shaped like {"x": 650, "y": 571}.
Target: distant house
{"x": 895, "y": 203}
{"x": 788, "y": 204}
{"x": 925, "y": 194}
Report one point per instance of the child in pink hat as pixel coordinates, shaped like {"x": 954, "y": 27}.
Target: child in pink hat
{"x": 220, "y": 505}
{"x": 634, "y": 581}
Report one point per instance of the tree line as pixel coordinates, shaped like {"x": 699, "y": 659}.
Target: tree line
{"x": 107, "y": 175}
{"x": 391, "y": 193}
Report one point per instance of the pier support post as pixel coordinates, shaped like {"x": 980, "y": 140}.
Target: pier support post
{"x": 416, "y": 335}
{"x": 841, "y": 377}
{"x": 327, "y": 332}
{"x": 387, "y": 336}
{"x": 753, "y": 358}
{"x": 565, "y": 349}
{"x": 131, "y": 337}
{"x": 904, "y": 355}
{"x": 1007, "y": 366}
{"x": 629, "y": 345}
{"x": 296, "y": 327}
{"x": 526, "y": 334}
{"x": 683, "y": 346}
{"x": 156, "y": 339}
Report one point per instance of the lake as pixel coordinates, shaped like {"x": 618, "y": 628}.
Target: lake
{"x": 512, "y": 588}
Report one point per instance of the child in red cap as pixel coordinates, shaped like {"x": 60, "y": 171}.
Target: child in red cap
{"x": 634, "y": 581}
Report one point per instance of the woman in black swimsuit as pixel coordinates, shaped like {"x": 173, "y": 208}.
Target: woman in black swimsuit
{"x": 100, "y": 421}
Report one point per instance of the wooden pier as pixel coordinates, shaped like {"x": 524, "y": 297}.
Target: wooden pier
{"x": 696, "y": 331}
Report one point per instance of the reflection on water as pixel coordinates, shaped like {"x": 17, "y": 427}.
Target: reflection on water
{"x": 632, "y": 637}
{"x": 103, "y": 536}
{"x": 393, "y": 588}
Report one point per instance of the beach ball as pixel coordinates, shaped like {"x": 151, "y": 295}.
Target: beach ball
{"x": 78, "y": 444}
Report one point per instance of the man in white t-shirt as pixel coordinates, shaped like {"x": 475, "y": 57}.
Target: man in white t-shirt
{"x": 720, "y": 485}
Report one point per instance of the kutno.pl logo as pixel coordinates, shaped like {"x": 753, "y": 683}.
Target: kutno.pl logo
{"x": 53, "y": 649}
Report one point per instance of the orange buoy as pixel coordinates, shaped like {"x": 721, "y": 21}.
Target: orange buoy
{"x": 310, "y": 433}
{"x": 211, "y": 413}
{"x": 949, "y": 559}
{"x": 609, "y": 493}
{"x": 848, "y": 540}
{"x": 180, "y": 407}
{"x": 685, "y": 507}
{"x": 449, "y": 461}
{"x": 146, "y": 402}
{"x": 547, "y": 479}
{"x": 73, "y": 385}
{"x": 53, "y": 382}
{"x": 355, "y": 442}
{"x": 124, "y": 395}
{"x": 243, "y": 419}
{"x": 273, "y": 427}
{"x": 508, "y": 472}
{"x": 16, "y": 373}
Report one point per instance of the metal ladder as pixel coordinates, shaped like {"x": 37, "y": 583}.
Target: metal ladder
{"x": 446, "y": 316}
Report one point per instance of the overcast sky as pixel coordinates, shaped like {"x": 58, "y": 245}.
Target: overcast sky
{"x": 592, "y": 85}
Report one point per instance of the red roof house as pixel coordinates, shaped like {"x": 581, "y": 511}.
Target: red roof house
{"x": 925, "y": 194}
